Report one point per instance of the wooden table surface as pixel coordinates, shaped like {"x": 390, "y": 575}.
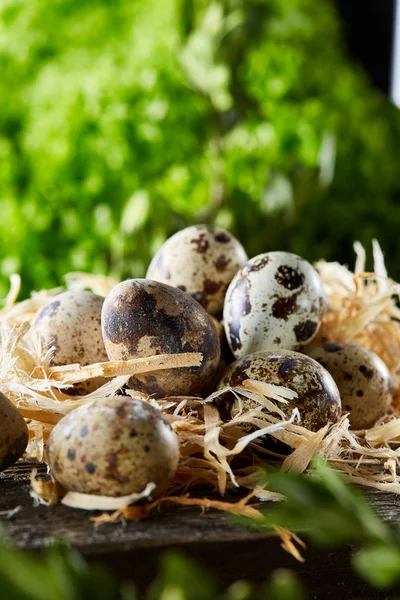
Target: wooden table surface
{"x": 132, "y": 550}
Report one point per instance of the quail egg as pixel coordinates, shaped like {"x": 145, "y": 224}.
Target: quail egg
{"x": 113, "y": 447}
{"x": 201, "y": 261}
{"x": 13, "y": 433}
{"x": 70, "y": 325}
{"x": 142, "y": 318}
{"x": 362, "y": 378}
{"x": 275, "y": 301}
{"x": 318, "y": 396}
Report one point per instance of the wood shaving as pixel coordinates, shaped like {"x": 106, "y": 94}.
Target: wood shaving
{"x": 43, "y": 492}
{"x": 9, "y": 514}
{"x": 384, "y": 433}
{"x": 70, "y": 374}
{"x": 301, "y": 457}
{"x": 288, "y": 540}
{"x": 275, "y": 392}
{"x": 140, "y": 512}
{"x": 93, "y": 502}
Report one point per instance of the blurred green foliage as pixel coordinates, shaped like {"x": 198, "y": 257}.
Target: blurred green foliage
{"x": 61, "y": 573}
{"x": 121, "y": 122}
{"x": 331, "y": 512}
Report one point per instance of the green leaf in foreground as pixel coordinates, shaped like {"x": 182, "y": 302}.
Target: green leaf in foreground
{"x": 324, "y": 508}
{"x": 27, "y": 578}
{"x": 283, "y": 585}
{"x": 59, "y": 574}
{"x": 379, "y": 565}
{"x": 240, "y": 590}
{"x": 182, "y": 579}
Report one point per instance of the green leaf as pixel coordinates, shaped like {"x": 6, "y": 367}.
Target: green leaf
{"x": 324, "y": 508}
{"x": 182, "y": 579}
{"x": 128, "y": 592}
{"x": 352, "y": 501}
{"x": 282, "y": 585}
{"x": 28, "y": 577}
{"x": 379, "y": 565}
{"x": 59, "y": 574}
{"x": 240, "y": 590}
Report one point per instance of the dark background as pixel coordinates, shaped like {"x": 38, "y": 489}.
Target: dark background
{"x": 369, "y": 36}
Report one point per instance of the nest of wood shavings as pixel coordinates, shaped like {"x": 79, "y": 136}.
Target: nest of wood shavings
{"x": 215, "y": 454}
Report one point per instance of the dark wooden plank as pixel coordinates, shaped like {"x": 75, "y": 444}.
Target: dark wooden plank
{"x": 132, "y": 551}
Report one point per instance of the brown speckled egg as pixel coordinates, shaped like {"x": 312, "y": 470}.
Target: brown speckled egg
{"x": 318, "y": 397}
{"x": 275, "y": 301}
{"x": 362, "y": 378}
{"x": 71, "y": 324}
{"x": 13, "y": 433}
{"x": 142, "y": 318}
{"x": 113, "y": 447}
{"x": 201, "y": 261}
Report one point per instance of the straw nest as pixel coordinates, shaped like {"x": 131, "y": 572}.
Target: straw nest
{"x": 217, "y": 455}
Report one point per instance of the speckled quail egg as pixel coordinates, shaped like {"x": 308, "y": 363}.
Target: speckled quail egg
{"x": 113, "y": 447}
{"x": 70, "y": 323}
{"x": 275, "y": 301}
{"x": 318, "y": 396}
{"x": 362, "y": 378}
{"x": 13, "y": 433}
{"x": 142, "y": 318}
{"x": 201, "y": 261}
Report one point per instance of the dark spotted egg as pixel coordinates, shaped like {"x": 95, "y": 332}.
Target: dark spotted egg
{"x": 113, "y": 447}
{"x": 14, "y": 435}
{"x": 142, "y": 318}
{"x": 275, "y": 301}
{"x": 318, "y": 396}
{"x": 200, "y": 260}
{"x": 69, "y": 330}
{"x": 362, "y": 378}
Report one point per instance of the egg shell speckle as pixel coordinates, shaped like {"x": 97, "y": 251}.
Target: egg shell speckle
{"x": 113, "y": 447}
{"x": 143, "y": 318}
{"x": 318, "y": 401}
{"x": 13, "y": 433}
{"x": 200, "y": 260}
{"x": 362, "y": 378}
{"x": 71, "y": 324}
{"x": 275, "y": 301}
